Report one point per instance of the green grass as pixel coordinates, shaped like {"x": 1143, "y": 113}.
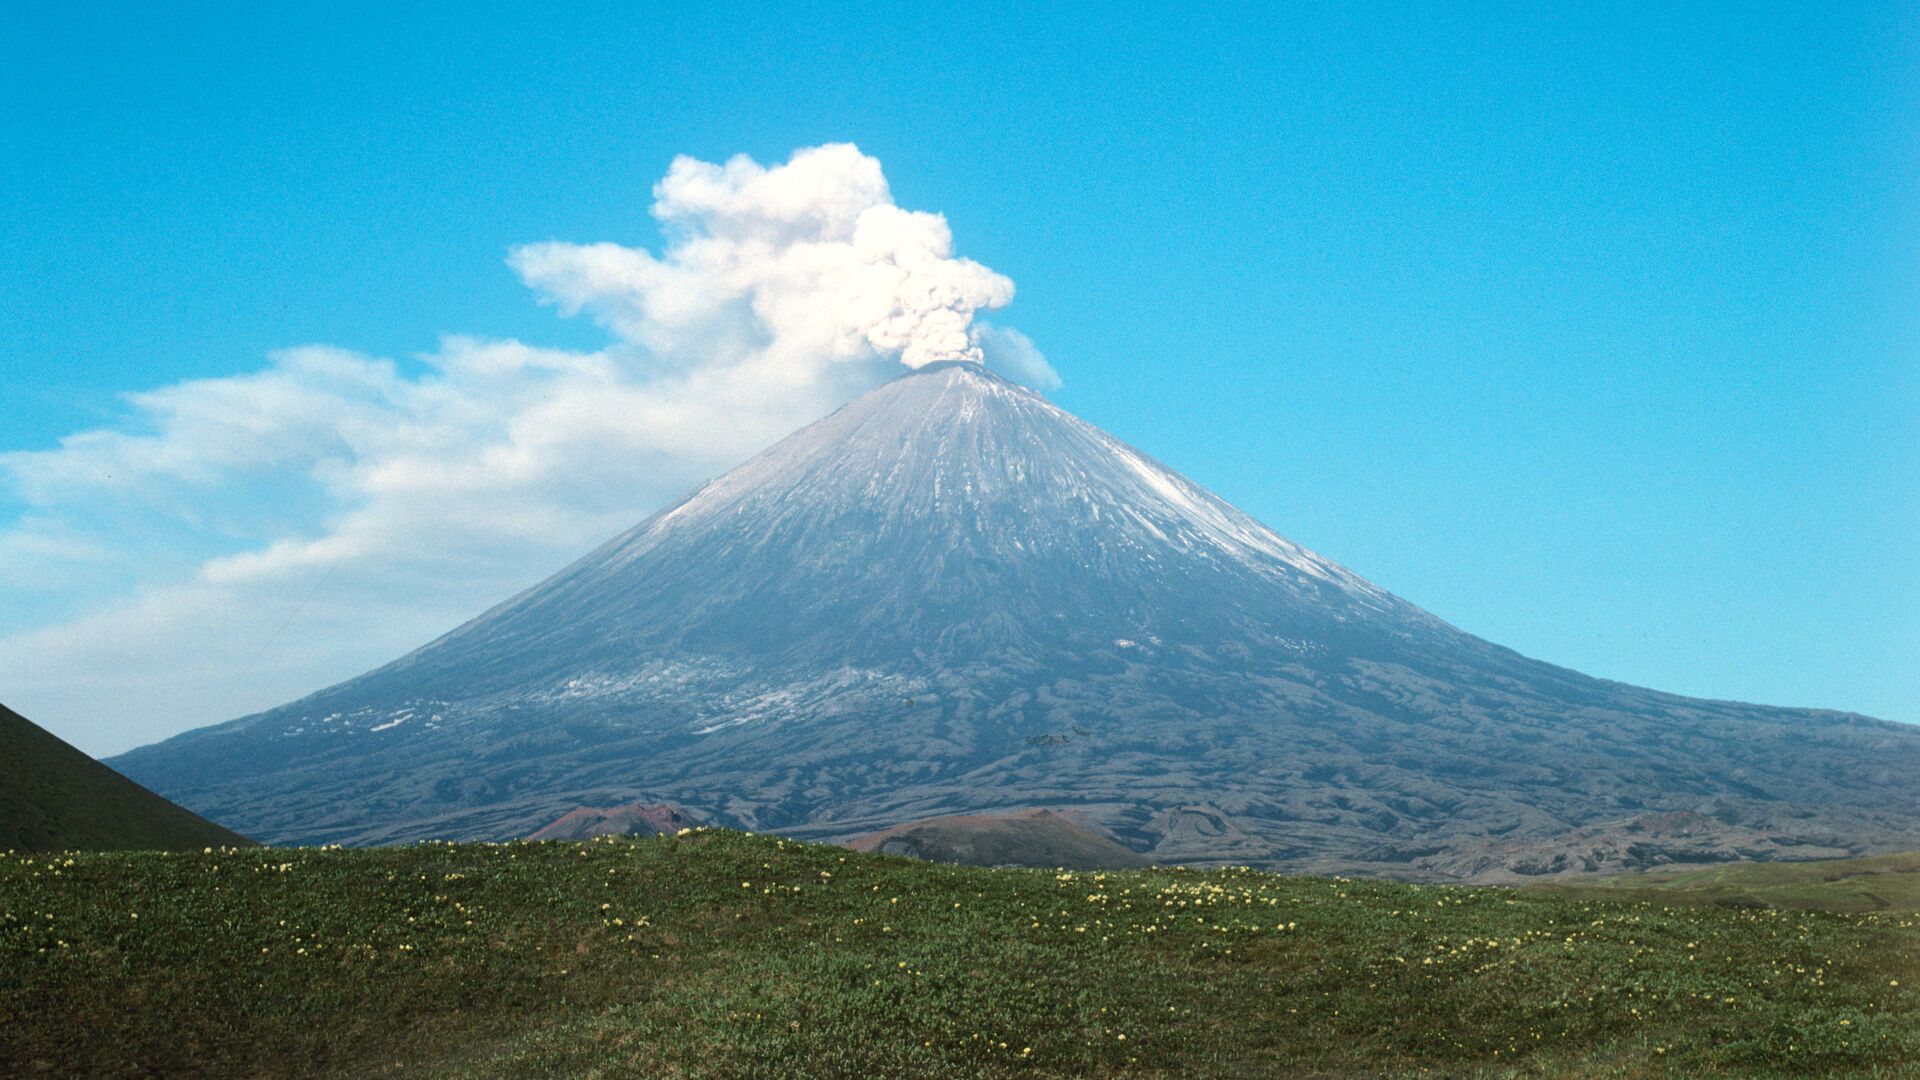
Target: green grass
{"x": 718, "y": 953}
{"x": 1888, "y": 883}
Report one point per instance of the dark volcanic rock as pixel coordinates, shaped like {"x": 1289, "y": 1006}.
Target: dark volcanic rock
{"x": 1648, "y": 842}
{"x": 1027, "y": 838}
{"x": 951, "y": 597}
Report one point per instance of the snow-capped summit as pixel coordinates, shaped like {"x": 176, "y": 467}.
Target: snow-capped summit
{"x": 949, "y": 517}
{"x": 953, "y": 596}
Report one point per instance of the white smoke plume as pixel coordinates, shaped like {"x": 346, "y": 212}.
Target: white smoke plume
{"x": 814, "y": 252}
{"x": 237, "y": 542}
{"x": 1013, "y": 354}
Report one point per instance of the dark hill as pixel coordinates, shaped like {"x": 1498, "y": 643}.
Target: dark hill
{"x": 55, "y": 798}
{"x": 634, "y": 819}
{"x": 1028, "y": 838}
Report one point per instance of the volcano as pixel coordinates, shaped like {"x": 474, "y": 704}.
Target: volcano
{"x": 951, "y": 597}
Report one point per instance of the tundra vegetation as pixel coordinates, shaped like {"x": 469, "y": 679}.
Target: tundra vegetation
{"x": 722, "y": 953}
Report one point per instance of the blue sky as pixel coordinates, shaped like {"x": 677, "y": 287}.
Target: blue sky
{"x": 1597, "y": 335}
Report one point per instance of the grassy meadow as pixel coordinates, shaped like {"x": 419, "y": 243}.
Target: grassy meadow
{"x": 719, "y": 953}
{"x": 1875, "y": 883}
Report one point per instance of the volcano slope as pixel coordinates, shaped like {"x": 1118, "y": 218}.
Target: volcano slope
{"x": 952, "y": 597}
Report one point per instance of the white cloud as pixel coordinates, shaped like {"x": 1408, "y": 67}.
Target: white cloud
{"x": 239, "y": 541}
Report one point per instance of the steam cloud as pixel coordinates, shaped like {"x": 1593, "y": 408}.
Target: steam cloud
{"x": 239, "y": 541}
{"x": 830, "y": 269}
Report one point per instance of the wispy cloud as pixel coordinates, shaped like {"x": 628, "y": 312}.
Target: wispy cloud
{"x": 239, "y": 541}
